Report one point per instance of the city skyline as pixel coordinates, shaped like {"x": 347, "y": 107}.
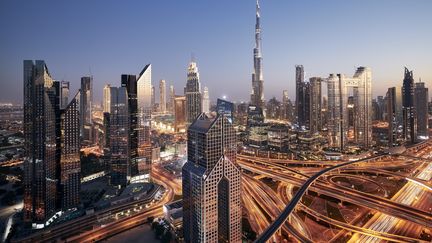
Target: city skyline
{"x": 390, "y": 42}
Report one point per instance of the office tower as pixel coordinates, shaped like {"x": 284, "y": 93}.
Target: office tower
{"x": 107, "y": 140}
{"x": 180, "y": 114}
{"x": 225, "y": 108}
{"x": 421, "y": 97}
{"x": 153, "y": 97}
{"x": 299, "y": 102}
{"x": 64, "y": 94}
{"x": 162, "y": 96}
{"x": 393, "y": 114}
{"x": 381, "y": 106}
{"x": 86, "y": 101}
{"x": 257, "y": 95}
{"x": 40, "y": 143}
{"x": 306, "y": 105}
{"x": 256, "y": 128}
{"x": 408, "y": 109}
{"x": 193, "y": 93}
{"x": 206, "y": 101}
{"x": 361, "y": 84}
{"x": 315, "y": 105}
{"x": 285, "y": 97}
{"x": 211, "y": 182}
{"x": 130, "y": 83}
{"x": 145, "y": 97}
{"x": 119, "y": 137}
{"x": 375, "y": 110}
{"x": 106, "y": 98}
{"x": 70, "y": 163}
{"x": 171, "y": 99}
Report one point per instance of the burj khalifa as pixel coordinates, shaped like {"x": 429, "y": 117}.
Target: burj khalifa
{"x": 257, "y": 95}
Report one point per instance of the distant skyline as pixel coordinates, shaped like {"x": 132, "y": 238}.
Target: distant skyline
{"x": 110, "y": 38}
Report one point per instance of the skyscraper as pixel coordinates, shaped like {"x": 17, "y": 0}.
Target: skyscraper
{"x": 257, "y": 95}
{"x": 106, "y": 98}
{"x": 64, "y": 94}
{"x": 119, "y": 137}
{"x": 162, "y": 96}
{"x": 421, "y": 97}
{"x": 315, "y": 105}
{"x": 145, "y": 97}
{"x": 225, "y": 108}
{"x": 193, "y": 93}
{"x": 70, "y": 163}
{"x": 180, "y": 113}
{"x": 206, "y": 101}
{"x": 130, "y": 83}
{"x": 40, "y": 143}
{"x": 361, "y": 84}
{"x": 409, "y": 126}
{"x": 153, "y": 97}
{"x": 393, "y": 114}
{"x": 300, "y": 96}
{"x": 211, "y": 182}
{"x": 171, "y": 99}
{"x": 86, "y": 102}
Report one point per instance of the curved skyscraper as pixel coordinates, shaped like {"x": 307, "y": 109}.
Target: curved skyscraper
{"x": 257, "y": 95}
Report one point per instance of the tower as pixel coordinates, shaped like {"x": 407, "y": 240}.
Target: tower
{"x": 193, "y": 93}
{"x": 162, "y": 96}
{"x": 206, "y": 101}
{"x": 119, "y": 137}
{"x": 86, "y": 101}
{"x": 408, "y": 109}
{"x": 257, "y": 95}
{"x": 421, "y": 98}
{"x": 211, "y": 182}
{"x": 40, "y": 143}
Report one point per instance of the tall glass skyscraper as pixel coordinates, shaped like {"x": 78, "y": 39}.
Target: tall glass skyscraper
{"x": 409, "y": 126}
{"x": 119, "y": 137}
{"x": 206, "y": 101}
{"x": 70, "y": 163}
{"x": 40, "y": 143}
{"x": 145, "y": 104}
{"x": 211, "y": 182}
{"x": 130, "y": 83}
{"x": 162, "y": 96}
{"x": 361, "y": 84}
{"x": 86, "y": 102}
{"x": 421, "y": 97}
{"x": 257, "y": 95}
{"x": 193, "y": 93}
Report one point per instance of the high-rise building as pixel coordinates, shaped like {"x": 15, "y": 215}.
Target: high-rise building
{"x": 315, "y": 105}
{"x": 64, "y": 94}
{"x": 162, "y": 96}
{"x": 206, "y": 101}
{"x": 130, "y": 83}
{"x": 153, "y": 97}
{"x": 70, "y": 163}
{"x": 409, "y": 123}
{"x": 180, "y": 114}
{"x": 119, "y": 137}
{"x": 421, "y": 97}
{"x": 300, "y": 99}
{"x": 86, "y": 102}
{"x": 193, "y": 93}
{"x": 106, "y": 98}
{"x": 393, "y": 114}
{"x": 361, "y": 84}
{"x": 257, "y": 95}
{"x": 145, "y": 97}
{"x": 40, "y": 143}
{"x": 211, "y": 182}
{"x": 225, "y": 108}
{"x": 171, "y": 99}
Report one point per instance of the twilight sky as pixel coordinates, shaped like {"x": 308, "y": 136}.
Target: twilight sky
{"x": 114, "y": 37}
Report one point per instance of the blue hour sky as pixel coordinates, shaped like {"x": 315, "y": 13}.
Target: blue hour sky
{"x": 109, "y": 38}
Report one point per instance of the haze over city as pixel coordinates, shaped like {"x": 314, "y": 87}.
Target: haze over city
{"x": 110, "y": 38}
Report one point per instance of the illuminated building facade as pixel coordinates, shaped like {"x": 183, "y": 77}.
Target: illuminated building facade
{"x": 421, "y": 97}
{"x": 257, "y": 95}
{"x": 86, "y": 102}
{"x": 206, "y": 101}
{"x": 211, "y": 183}
{"x": 361, "y": 84}
{"x": 39, "y": 143}
{"x": 315, "y": 120}
{"x": 409, "y": 116}
{"x": 162, "y": 96}
{"x": 119, "y": 137}
{"x": 180, "y": 114}
{"x": 193, "y": 93}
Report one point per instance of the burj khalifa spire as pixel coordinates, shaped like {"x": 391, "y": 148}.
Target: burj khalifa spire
{"x": 257, "y": 95}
